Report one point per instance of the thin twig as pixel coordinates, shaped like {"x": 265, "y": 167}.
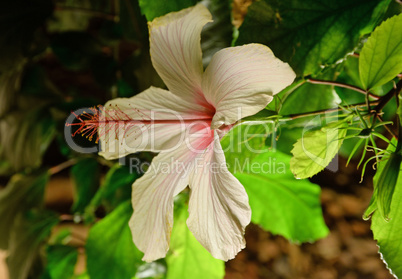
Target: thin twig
{"x": 62, "y": 166}
{"x": 319, "y": 112}
{"x": 344, "y": 85}
{"x": 66, "y": 217}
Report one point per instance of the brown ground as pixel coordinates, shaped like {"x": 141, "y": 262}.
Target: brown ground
{"x": 349, "y": 252}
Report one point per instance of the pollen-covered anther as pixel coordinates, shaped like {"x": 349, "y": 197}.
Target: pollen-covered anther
{"x": 89, "y": 123}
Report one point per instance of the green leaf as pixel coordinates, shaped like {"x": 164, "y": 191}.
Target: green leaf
{"x": 62, "y": 237}
{"x": 304, "y": 98}
{"x": 9, "y": 84}
{"x": 30, "y": 230}
{"x": 115, "y": 188}
{"x": 386, "y": 184}
{"x": 187, "y": 256}
{"x": 86, "y": 176}
{"x": 350, "y": 75}
{"x": 67, "y": 21}
{"x": 245, "y": 141}
{"x": 316, "y": 149}
{"x": 310, "y": 34}
{"x": 217, "y": 34}
{"x": 61, "y": 260}
{"x": 110, "y": 250}
{"x": 309, "y": 97}
{"x": 288, "y": 135}
{"x": 381, "y": 56}
{"x": 388, "y": 233}
{"x": 152, "y": 9}
{"x": 25, "y": 136}
{"x": 124, "y": 89}
{"x": 280, "y": 203}
{"x": 84, "y": 276}
{"x": 21, "y": 193}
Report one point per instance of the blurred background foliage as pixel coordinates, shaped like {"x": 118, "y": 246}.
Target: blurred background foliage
{"x": 64, "y": 214}
{"x": 59, "y": 56}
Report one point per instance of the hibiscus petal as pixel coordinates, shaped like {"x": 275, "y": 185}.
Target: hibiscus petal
{"x": 176, "y": 51}
{"x": 219, "y": 209}
{"x": 153, "y": 120}
{"x": 240, "y": 81}
{"x": 153, "y": 194}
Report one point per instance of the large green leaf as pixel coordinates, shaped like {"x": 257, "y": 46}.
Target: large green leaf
{"x": 309, "y": 97}
{"x": 302, "y": 98}
{"x": 86, "y": 177}
{"x": 152, "y": 9}
{"x": 381, "y": 56}
{"x": 61, "y": 260}
{"x": 30, "y": 230}
{"x": 118, "y": 176}
{"x": 316, "y": 149}
{"x": 386, "y": 183}
{"x": 217, "y": 34}
{"x": 289, "y": 134}
{"x": 115, "y": 188}
{"x": 110, "y": 250}
{"x": 25, "y": 136}
{"x": 350, "y": 75}
{"x": 67, "y": 21}
{"x": 21, "y": 193}
{"x": 245, "y": 141}
{"x": 9, "y": 84}
{"x": 187, "y": 256}
{"x": 388, "y": 233}
{"x": 280, "y": 203}
{"x": 310, "y": 34}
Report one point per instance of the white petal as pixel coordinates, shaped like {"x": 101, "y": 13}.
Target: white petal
{"x": 176, "y": 51}
{"x": 219, "y": 209}
{"x": 240, "y": 81}
{"x": 153, "y": 120}
{"x": 153, "y": 194}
